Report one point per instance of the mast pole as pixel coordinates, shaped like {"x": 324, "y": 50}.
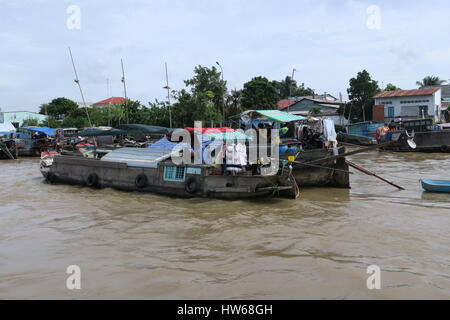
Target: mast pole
{"x": 77, "y": 81}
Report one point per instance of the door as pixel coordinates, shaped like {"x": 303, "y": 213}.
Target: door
{"x": 391, "y": 112}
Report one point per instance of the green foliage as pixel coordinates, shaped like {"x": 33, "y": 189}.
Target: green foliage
{"x": 289, "y": 88}
{"x": 59, "y": 108}
{"x": 391, "y": 87}
{"x": 430, "y": 81}
{"x": 208, "y": 82}
{"x": 158, "y": 114}
{"x": 315, "y": 111}
{"x": 193, "y": 107}
{"x": 233, "y": 103}
{"x": 361, "y": 92}
{"x": 204, "y": 98}
{"x": 31, "y": 123}
{"x": 75, "y": 122}
{"x": 259, "y": 93}
{"x": 51, "y": 122}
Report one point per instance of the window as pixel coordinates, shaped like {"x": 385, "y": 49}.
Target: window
{"x": 176, "y": 174}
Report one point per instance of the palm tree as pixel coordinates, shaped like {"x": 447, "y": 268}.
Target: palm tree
{"x": 430, "y": 81}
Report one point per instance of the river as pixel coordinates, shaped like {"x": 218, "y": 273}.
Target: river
{"x": 144, "y": 246}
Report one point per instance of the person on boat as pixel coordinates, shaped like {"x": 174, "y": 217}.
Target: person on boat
{"x": 381, "y": 132}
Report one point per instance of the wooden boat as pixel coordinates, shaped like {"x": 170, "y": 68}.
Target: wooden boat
{"x": 436, "y": 185}
{"x": 149, "y": 170}
{"x": 31, "y": 141}
{"x": 356, "y": 139}
{"x": 333, "y": 173}
{"x": 426, "y": 139}
{"x": 8, "y": 149}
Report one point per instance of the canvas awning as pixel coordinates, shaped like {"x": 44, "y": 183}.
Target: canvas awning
{"x": 121, "y": 130}
{"x": 7, "y": 127}
{"x": 274, "y": 115}
{"x": 280, "y": 116}
{"x": 46, "y": 130}
{"x": 224, "y": 136}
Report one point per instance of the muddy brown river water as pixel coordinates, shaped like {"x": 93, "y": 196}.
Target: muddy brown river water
{"x": 144, "y": 246}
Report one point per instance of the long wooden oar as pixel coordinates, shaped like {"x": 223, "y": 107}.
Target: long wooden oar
{"x": 351, "y": 153}
{"x": 321, "y": 167}
{"x": 355, "y": 166}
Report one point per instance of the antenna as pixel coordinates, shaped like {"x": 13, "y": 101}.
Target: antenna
{"x": 77, "y": 81}
{"x": 168, "y": 96}
{"x": 124, "y": 90}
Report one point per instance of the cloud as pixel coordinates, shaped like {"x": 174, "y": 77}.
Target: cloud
{"x": 328, "y": 42}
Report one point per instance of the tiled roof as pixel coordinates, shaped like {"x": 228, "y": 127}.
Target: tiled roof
{"x": 406, "y": 93}
{"x": 113, "y": 100}
{"x": 283, "y": 104}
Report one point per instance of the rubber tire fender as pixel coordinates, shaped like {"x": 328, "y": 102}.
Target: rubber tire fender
{"x": 50, "y": 177}
{"x": 192, "y": 185}
{"x": 445, "y": 148}
{"x": 92, "y": 180}
{"x": 141, "y": 181}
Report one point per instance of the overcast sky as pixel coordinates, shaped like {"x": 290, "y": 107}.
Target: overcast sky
{"x": 328, "y": 42}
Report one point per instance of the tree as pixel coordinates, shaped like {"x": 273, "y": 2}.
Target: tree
{"x": 233, "y": 105}
{"x": 361, "y": 92}
{"x": 59, "y": 108}
{"x": 193, "y": 107}
{"x": 288, "y": 88}
{"x": 259, "y": 93}
{"x": 209, "y": 81}
{"x": 31, "y": 123}
{"x": 391, "y": 87}
{"x": 157, "y": 114}
{"x": 315, "y": 111}
{"x": 430, "y": 81}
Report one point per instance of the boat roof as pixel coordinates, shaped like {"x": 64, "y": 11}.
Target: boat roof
{"x": 48, "y": 131}
{"x": 227, "y": 136}
{"x": 138, "y": 157}
{"x": 275, "y": 115}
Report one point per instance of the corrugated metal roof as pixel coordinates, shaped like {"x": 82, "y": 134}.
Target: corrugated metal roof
{"x": 280, "y": 116}
{"x": 138, "y": 157}
{"x": 406, "y": 93}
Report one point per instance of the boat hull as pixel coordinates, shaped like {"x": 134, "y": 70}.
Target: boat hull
{"x": 334, "y": 174}
{"x": 79, "y": 171}
{"x": 441, "y": 186}
{"x": 430, "y": 141}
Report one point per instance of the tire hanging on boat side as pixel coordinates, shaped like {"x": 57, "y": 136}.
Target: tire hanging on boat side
{"x": 192, "y": 185}
{"x": 141, "y": 181}
{"x": 50, "y": 177}
{"x": 92, "y": 180}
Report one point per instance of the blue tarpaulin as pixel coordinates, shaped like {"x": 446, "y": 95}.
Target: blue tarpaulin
{"x": 48, "y": 131}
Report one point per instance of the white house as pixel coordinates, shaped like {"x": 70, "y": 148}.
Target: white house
{"x": 421, "y": 103}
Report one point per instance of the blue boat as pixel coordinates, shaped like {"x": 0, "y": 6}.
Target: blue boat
{"x": 436, "y": 185}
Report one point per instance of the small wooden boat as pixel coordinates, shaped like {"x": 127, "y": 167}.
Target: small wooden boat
{"x": 436, "y": 185}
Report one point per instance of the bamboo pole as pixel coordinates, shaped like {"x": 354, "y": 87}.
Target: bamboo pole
{"x": 369, "y": 173}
